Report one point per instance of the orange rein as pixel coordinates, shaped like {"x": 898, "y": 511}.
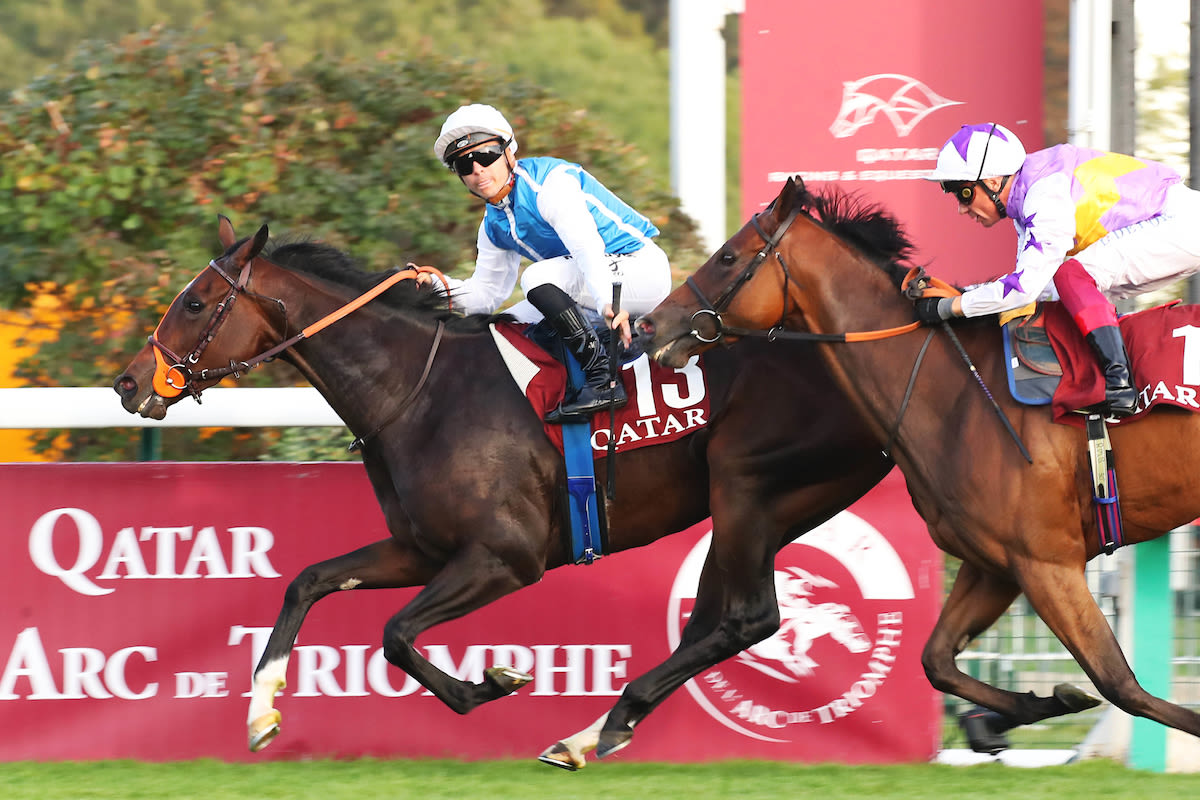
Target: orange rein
{"x": 410, "y": 271}
{"x": 915, "y": 281}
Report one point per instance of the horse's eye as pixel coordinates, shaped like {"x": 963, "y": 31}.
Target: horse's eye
{"x": 728, "y": 257}
{"x": 193, "y": 305}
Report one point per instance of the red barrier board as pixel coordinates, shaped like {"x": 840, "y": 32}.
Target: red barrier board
{"x": 862, "y": 96}
{"x": 140, "y": 595}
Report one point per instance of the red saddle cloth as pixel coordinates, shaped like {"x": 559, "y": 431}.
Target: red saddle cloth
{"x": 664, "y": 404}
{"x": 1164, "y": 353}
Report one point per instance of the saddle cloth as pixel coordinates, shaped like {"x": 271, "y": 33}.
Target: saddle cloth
{"x": 664, "y": 404}
{"x": 1164, "y": 353}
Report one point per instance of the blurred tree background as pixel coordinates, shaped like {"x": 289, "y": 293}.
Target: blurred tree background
{"x": 122, "y": 139}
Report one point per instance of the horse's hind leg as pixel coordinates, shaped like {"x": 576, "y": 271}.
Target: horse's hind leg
{"x": 1061, "y": 598}
{"x": 383, "y": 565}
{"x": 976, "y": 601}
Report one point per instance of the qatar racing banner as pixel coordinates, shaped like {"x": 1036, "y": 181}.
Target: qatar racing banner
{"x": 139, "y": 597}
{"x": 843, "y": 94}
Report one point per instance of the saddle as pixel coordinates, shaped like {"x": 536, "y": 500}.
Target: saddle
{"x": 1068, "y": 377}
{"x": 1033, "y": 369}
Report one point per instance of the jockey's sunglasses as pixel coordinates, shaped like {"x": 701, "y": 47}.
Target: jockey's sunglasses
{"x": 963, "y": 191}
{"x": 485, "y": 156}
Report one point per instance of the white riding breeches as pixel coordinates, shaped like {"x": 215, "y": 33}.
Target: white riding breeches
{"x": 1151, "y": 254}
{"x": 645, "y": 277}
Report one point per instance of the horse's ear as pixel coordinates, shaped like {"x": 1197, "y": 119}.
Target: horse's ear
{"x": 260, "y": 241}
{"x": 787, "y": 197}
{"x": 249, "y": 249}
{"x": 225, "y": 231}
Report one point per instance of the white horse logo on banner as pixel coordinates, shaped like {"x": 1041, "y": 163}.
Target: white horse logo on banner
{"x": 803, "y": 622}
{"x": 903, "y": 100}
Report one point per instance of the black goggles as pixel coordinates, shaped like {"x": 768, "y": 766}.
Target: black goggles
{"x": 485, "y": 156}
{"x": 963, "y": 191}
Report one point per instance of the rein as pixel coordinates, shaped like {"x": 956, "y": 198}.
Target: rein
{"x": 236, "y": 368}
{"x": 915, "y": 284}
{"x": 177, "y": 377}
{"x": 776, "y": 332}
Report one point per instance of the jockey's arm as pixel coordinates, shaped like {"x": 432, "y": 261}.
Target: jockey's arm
{"x": 563, "y": 205}
{"x": 491, "y": 283}
{"x": 1043, "y": 240}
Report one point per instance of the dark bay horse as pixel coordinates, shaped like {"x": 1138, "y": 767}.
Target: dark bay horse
{"x": 829, "y": 264}
{"x": 470, "y": 485}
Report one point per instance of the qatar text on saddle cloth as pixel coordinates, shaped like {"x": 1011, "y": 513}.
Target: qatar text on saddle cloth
{"x": 1164, "y": 352}
{"x": 664, "y": 404}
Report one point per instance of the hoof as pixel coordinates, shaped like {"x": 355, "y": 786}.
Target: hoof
{"x": 263, "y": 730}
{"x": 561, "y": 756}
{"x": 613, "y": 742}
{"x": 984, "y": 730}
{"x": 507, "y": 678}
{"x": 1074, "y": 698}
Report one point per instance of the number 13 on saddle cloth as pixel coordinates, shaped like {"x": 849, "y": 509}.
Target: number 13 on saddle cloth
{"x": 664, "y": 404}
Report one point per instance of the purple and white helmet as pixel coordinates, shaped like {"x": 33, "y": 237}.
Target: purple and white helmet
{"x": 979, "y": 151}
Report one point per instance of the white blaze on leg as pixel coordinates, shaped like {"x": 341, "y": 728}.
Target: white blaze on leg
{"x": 267, "y": 682}
{"x": 570, "y": 753}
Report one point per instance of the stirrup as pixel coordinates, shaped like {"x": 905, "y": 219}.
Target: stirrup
{"x": 1120, "y": 402}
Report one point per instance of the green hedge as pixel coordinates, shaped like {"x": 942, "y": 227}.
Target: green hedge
{"x": 114, "y": 166}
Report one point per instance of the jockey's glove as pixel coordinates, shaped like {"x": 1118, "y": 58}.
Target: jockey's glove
{"x": 934, "y": 310}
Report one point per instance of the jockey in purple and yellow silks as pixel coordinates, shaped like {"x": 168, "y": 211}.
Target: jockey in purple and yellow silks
{"x": 1091, "y": 224}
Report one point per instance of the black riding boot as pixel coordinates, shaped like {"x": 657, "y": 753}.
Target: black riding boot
{"x": 568, "y": 322}
{"x": 1119, "y": 393}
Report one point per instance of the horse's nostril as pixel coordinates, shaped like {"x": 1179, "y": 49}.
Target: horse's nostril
{"x": 645, "y": 326}
{"x": 125, "y": 385}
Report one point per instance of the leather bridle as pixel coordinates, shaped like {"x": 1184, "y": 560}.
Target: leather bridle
{"x": 173, "y": 374}
{"x": 713, "y": 310}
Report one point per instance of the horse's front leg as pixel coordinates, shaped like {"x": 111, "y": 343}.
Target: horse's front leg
{"x": 383, "y": 565}
{"x": 976, "y": 601}
{"x": 571, "y": 753}
{"x": 472, "y": 578}
{"x": 735, "y": 607}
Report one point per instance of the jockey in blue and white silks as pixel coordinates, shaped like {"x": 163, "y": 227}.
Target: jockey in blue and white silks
{"x": 578, "y": 236}
{"x": 1091, "y": 225}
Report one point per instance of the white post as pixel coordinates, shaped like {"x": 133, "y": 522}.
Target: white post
{"x": 1089, "y": 117}
{"x": 698, "y": 112}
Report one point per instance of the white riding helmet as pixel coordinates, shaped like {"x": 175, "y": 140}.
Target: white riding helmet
{"x": 979, "y": 151}
{"x": 470, "y": 125}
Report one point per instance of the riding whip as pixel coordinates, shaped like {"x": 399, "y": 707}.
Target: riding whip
{"x": 979, "y": 379}
{"x": 612, "y": 390}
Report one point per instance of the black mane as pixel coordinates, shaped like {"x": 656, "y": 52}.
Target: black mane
{"x": 328, "y": 263}
{"x": 862, "y": 223}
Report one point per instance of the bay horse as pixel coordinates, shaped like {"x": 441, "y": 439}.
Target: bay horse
{"x": 828, "y": 264}
{"x": 489, "y": 520}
